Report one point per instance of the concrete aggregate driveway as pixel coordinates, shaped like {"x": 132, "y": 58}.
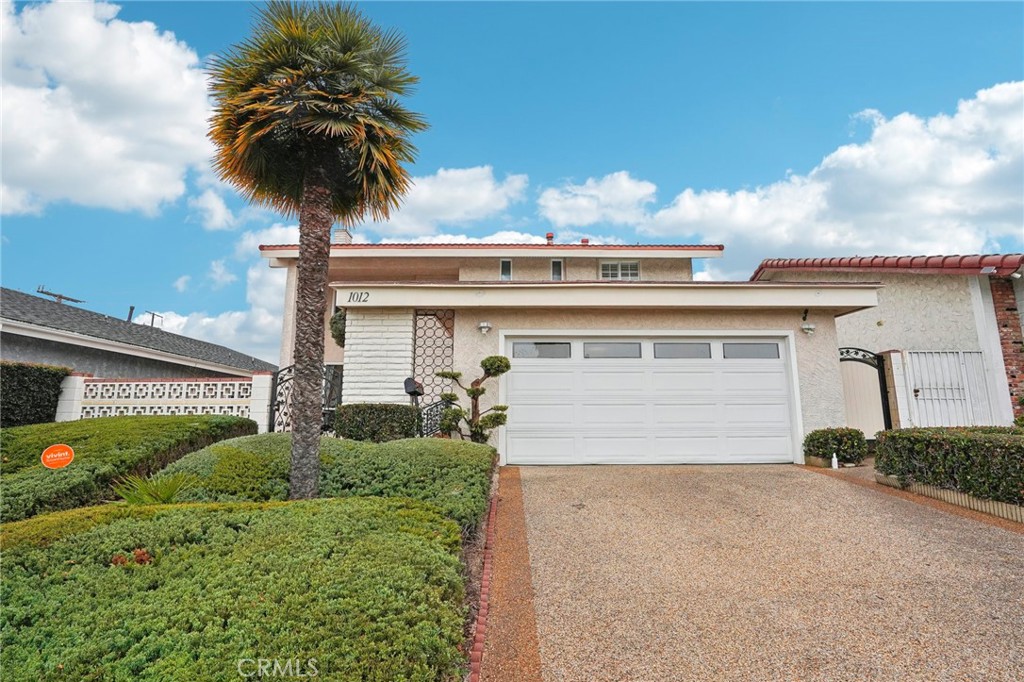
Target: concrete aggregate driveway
{"x": 760, "y": 573}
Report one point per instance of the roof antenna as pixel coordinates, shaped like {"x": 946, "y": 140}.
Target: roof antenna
{"x": 59, "y": 298}
{"x": 152, "y": 318}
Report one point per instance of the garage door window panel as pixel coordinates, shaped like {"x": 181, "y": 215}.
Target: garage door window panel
{"x": 612, "y": 350}
{"x": 750, "y": 351}
{"x": 682, "y": 351}
{"x": 542, "y": 350}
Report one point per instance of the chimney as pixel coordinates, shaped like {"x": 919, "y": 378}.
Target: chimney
{"x": 341, "y": 235}
{"x": 551, "y": 238}
{"x": 585, "y": 241}
{"x": 131, "y": 312}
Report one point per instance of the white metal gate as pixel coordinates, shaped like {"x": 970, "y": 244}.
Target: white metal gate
{"x": 948, "y": 388}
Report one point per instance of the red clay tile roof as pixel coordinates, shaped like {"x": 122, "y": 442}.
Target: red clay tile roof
{"x": 654, "y": 247}
{"x": 1003, "y": 264}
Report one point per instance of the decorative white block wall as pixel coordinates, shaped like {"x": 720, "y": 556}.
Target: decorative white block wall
{"x": 116, "y": 397}
{"x": 378, "y": 355}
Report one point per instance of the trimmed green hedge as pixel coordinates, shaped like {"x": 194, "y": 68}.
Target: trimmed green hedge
{"x": 454, "y": 475}
{"x": 987, "y": 462}
{"x": 848, "y": 444}
{"x": 29, "y": 392}
{"x": 377, "y": 422}
{"x": 105, "y": 449}
{"x": 370, "y": 588}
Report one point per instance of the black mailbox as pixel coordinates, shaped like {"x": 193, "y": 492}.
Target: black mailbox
{"x": 413, "y": 387}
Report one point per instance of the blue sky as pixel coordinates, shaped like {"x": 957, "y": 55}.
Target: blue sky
{"x": 777, "y": 129}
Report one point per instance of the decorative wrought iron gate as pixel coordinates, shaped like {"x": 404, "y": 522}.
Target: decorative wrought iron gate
{"x": 433, "y": 352}
{"x": 878, "y": 363}
{"x": 281, "y": 397}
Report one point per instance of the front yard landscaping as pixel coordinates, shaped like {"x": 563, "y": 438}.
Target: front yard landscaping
{"x": 370, "y": 584}
{"x": 453, "y": 475}
{"x": 359, "y": 588}
{"x": 105, "y": 449}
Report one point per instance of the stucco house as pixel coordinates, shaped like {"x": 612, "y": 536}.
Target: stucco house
{"x": 34, "y": 329}
{"x": 618, "y": 355}
{"x": 947, "y": 333}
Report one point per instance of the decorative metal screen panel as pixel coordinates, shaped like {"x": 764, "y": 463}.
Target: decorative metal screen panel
{"x": 433, "y": 352}
{"x": 106, "y": 398}
{"x": 281, "y": 396}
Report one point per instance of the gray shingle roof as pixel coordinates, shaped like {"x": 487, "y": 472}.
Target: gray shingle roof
{"x": 22, "y": 307}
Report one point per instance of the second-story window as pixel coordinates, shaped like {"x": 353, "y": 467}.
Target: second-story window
{"x": 620, "y": 270}
{"x": 505, "y": 273}
{"x": 556, "y": 271}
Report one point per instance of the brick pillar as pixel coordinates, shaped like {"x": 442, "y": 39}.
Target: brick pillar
{"x": 1011, "y": 338}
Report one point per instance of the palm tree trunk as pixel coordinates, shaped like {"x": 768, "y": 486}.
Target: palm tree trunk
{"x": 315, "y": 221}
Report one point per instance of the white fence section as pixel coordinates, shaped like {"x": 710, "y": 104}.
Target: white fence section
{"x": 947, "y": 388}
{"x": 88, "y": 398}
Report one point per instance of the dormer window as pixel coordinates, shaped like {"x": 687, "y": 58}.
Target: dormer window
{"x": 629, "y": 270}
{"x": 505, "y": 271}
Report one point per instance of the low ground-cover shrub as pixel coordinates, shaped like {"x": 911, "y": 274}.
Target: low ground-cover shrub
{"x": 377, "y": 422}
{"x": 987, "y": 462}
{"x": 453, "y": 475}
{"x": 848, "y": 444}
{"x": 370, "y": 588}
{"x": 29, "y": 392}
{"x": 105, "y": 449}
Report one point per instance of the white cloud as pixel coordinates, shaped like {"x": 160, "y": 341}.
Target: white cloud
{"x": 943, "y": 184}
{"x": 248, "y": 245}
{"x": 181, "y": 284}
{"x": 617, "y": 198}
{"x": 452, "y": 196}
{"x": 213, "y": 213}
{"x": 256, "y": 331}
{"x": 97, "y": 111}
{"x": 505, "y": 237}
{"x": 219, "y": 274}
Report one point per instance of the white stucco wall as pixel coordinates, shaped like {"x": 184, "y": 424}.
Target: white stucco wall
{"x": 819, "y": 379}
{"x": 575, "y": 269}
{"x": 915, "y": 312}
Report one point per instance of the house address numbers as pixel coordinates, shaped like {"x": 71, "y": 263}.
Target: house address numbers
{"x": 359, "y": 297}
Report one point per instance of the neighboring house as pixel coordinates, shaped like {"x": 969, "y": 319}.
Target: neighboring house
{"x": 618, "y": 356}
{"x": 34, "y": 329}
{"x": 954, "y": 323}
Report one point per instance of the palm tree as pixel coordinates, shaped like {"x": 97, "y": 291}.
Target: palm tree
{"x": 307, "y": 121}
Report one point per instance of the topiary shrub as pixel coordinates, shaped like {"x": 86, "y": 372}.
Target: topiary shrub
{"x": 377, "y": 422}
{"x": 29, "y": 392}
{"x": 848, "y": 445}
{"x": 986, "y": 462}
{"x": 478, "y": 424}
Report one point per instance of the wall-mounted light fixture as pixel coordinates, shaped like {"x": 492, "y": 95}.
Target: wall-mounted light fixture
{"x": 484, "y": 327}
{"x": 807, "y": 328}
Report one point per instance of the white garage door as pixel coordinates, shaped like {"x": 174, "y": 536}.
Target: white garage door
{"x": 648, "y": 401}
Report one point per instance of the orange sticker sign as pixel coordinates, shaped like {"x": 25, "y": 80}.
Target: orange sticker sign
{"x": 57, "y": 456}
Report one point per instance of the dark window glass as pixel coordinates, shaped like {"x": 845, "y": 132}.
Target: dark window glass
{"x": 682, "y": 350}
{"x": 611, "y": 349}
{"x": 506, "y": 270}
{"x": 552, "y": 350}
{"x": 556, "y": 271}
{"x": 750, "y": 351}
